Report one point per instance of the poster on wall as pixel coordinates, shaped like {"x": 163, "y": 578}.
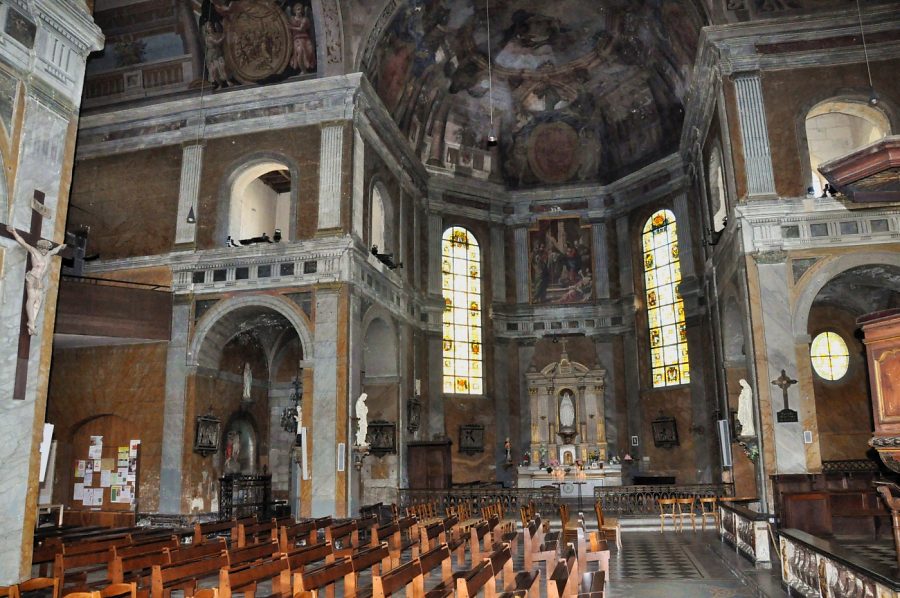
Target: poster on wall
{"x": 95, "y": 450}
{"x": 560, "y": 261}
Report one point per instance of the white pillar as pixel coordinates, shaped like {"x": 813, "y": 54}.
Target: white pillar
{"x": 754, "y": 135}
{"x": 188, "y": 192}
{"x": 330, "y": 166}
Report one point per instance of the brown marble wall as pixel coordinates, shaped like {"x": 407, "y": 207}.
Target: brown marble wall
{"x": 223, "y": 156}
{"x": 128, "y": 200}
{"x": 126, "y": 380}
{"x": 679, "y": 461}
{"x": 790, "y": 94}
{"x": 843, "y": 407}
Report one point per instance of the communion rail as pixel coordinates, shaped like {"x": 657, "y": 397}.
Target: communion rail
{"x": 641, "y": 500}
{"x": 546, "y": 499}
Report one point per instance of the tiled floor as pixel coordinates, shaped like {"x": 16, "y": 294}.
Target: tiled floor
{"x": 881, "y": 552}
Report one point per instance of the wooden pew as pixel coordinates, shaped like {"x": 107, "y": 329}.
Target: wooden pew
{"x": 312, "y": 553}
{"x": 564, "y": 581}
{"x": 437, "y": 557}
{"x": 54, "y": 584}
{"x": 291, "y": 536}
{"x": 134, "y": 568}
{"x": 195, "y": 552}
{"x": 373, "y": 558}
{"x": 479, "y": 540}
{"x": 593, "y": 584}
{"x": 255, "y": 533}
{"x": 311, "y": 582}
{"x": 251, "y": 554}
{"x": 479, "y": 577}
{"x": 344, "y": 537}
{"x": 408, "y": 576}
{"x": 245, "y": 579}
{"x": 184, "y": 576}
{"x": 516, "y": 582}
{"x": 540, "y": 546}
{"x": 204, "y": 532}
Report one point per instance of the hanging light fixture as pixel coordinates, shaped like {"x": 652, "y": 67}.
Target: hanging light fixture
{"x": 873, "y": 97}
{"x": 191, "y": 218}
{"x": 492, "y": 139}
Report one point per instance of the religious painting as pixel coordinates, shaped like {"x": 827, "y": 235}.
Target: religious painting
{"x": 560, "y": 262}
{"x": 471, "y": 439}
{"x": 887, "y": 372}
{"x": 206, "y": 438}
{"x": 381, "y": 436}
{"x": 257, "y": 41}
{"x": 665, "y": 432}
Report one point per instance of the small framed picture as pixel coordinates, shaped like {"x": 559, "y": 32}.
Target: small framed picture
{"x": 206, "y": 440}
{"x": 634, "y": 441}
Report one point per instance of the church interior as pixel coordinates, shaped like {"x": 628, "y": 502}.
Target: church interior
{"x": 332, "y": 289}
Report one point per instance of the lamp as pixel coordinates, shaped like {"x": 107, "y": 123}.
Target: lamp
{"x": 873, "y": 97}
{"x": 493, "y": 139}
{"x": 191, "y": 218}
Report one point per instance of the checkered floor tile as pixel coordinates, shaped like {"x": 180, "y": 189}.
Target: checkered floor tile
{"x": 882, "y": 553}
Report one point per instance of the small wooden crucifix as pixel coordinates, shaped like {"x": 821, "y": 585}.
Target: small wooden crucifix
{"x": 784, "y": 382}
{"x": 32, "y": 237}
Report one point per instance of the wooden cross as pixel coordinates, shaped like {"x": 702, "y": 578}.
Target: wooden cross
{"x": 784, "y": 382}
{"x": 31, "y": 236}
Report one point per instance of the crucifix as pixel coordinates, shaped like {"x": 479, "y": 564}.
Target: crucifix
{"x": 39, "y": 253}
{"x": 784, "y": 382}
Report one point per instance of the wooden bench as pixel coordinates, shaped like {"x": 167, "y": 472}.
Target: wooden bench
{"x": 290, "y": 536}
{"x": 311, "y": 553}
{"x": 593, "y": 584}
{"x": 137, "y": 567}
{"x": 245, "y": 579}
{"x": 184, "y": 576}
{"x": 311, "y": 582}
{"x": 480, "y": 577}
{"x": 479, "y": 540}
{"x": 195, "y": 552}
{"x": 564, "y": 581}
{"x": 251, "y": 554}
{"x": 373, "y": 558}
{"x": 516, "y": 582}
{"x": 344, "y": 537}
{"x": 213, "y": 530}
{"x": 408, "y": 576}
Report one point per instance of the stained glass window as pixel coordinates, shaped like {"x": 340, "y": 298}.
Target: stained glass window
{"x": 461, "y": 287}
{"x": 830, "y": 357}
{"x": 665, "y": 308}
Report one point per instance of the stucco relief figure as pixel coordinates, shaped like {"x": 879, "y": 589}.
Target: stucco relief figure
{"x": 233, "y": 452}
{"x": 304, "y": 55}
{"x": 362, "y": 416}
{"x": 34, "y": 278}
{"x": 567, "y": 411}
{"x": 745, "y": 409}
{"x": 213, "y": 38}
{"x": 248, "y": 381}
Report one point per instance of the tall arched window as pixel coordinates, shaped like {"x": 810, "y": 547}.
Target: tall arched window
{"x": 665, "y": 308}
{"x": 461, "y": 287}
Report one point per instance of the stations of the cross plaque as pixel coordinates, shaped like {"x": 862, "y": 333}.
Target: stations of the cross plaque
{"x": 32, "y": 237}
{"x": 786, "y": 415}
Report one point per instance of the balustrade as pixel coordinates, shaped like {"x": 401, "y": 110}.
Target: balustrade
{"x": 642, "y": 500}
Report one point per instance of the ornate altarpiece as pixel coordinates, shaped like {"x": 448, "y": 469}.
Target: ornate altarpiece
{"x": 553, "y": 392}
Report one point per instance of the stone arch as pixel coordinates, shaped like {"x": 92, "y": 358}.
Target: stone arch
{"x": 818, "y": 276}
{"x": 222, "y": 320}
{"x": 251, "y": 166}
{"x": 853, "y": 103}
{"x": 379, "y": 329}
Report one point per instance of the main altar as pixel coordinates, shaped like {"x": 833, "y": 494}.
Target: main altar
{"x": 568, "y": 429}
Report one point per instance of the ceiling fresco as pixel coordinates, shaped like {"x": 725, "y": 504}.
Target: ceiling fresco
{"x": 582, "y": 90}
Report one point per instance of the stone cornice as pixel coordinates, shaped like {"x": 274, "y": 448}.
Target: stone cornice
{"x": 182, "y": 120}
{"x": 71, "y": 21}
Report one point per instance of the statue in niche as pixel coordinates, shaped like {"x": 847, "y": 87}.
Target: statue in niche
{"x": 248, "y": 381}
{"x": 566, "y": 411}
{"x": 304, "y": 56}
{"x": 34, "y": 278}
{"x": 745, "y": 409}
{"x": 213, "y": 38}
{"x": 233, "y": 452}
{"x": 362, "y": 415}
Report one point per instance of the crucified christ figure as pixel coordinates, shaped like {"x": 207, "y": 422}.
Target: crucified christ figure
{"x": 34, "y": 278}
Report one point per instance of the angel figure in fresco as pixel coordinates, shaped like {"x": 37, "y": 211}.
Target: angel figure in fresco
{"x": 304, "y": 57}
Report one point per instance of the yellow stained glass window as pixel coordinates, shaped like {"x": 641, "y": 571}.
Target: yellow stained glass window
{"x": 830, "y": 357}
{"x": 461, "y": 287}
{"x": 665, "y": 309}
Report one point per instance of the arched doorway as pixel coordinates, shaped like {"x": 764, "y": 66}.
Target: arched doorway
{"x": 247, "y": 353}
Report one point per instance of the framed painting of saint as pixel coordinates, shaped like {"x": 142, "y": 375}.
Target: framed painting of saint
{"x": 560, "y": 262}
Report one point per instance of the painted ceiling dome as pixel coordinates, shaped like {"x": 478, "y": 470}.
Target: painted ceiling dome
{"x": 582, "y": 90}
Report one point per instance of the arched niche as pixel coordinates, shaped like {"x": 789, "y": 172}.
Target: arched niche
{"x": 381, "y": 221}
{"x": 260, "y": 195}
{"x": 836, "y": 127}
{"x": 717, "y": 194}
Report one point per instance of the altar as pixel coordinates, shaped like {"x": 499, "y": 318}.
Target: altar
{"x": 568, "y": 484}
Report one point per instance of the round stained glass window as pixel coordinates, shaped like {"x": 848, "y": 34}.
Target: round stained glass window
{"x": 830, "y": 357}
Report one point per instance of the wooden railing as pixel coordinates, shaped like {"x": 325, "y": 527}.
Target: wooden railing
{"x": 546, "y": 499}
{"x": 641, "y": 500}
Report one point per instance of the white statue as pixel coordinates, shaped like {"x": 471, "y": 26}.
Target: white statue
{"x": 567, "y": 411}
{"x": 745, "y": 409}
{"x": 362, "y": 415}
{"x": 299, "y": 418}
{"x": 34, "y": 278}
{"x": 248, "y": 381}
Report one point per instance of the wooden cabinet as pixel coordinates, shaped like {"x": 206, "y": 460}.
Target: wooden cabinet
{"x": 429, "y": 464}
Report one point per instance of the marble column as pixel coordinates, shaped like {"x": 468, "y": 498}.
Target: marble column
{"x": 528, "y": 408}
{"x": 754, "y": 134}
{"x": 435, "y": 232}
{"x": 780, "y": 353}
{"x": 601, "y": 259}
{"x": 359, "y": 183}
{"x": 435, "y": 387}
{"x": 354, "y": 368}
{"x": 173, "y": 412}
{"x": 498, "y": 264}
{"x": 323, "y": 461}
{"x": 501, "y": 405}
{"x": 330, "y": 167}
{"x": 606, "y": 359}
{"x": 521, "y": 256}
{"x": 685, "y": 242}
{"x": 623, "y": 242}
{"x": 188, "y": 192}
